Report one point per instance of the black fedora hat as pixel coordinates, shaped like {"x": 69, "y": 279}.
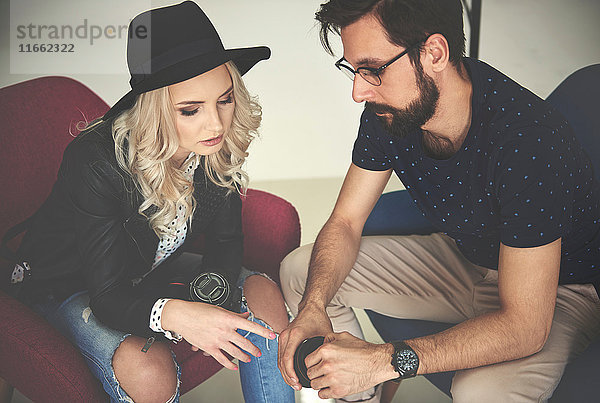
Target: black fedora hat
{"x": 171, "y": 44}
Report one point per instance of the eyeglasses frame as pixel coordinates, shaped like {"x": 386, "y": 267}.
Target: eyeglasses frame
{"x": 374, "y": 70}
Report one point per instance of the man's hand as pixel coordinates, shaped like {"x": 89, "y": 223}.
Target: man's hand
{"x": 309, "y": 322}
{"x": 345, "y": 365}
{"x": 333, "y": 256}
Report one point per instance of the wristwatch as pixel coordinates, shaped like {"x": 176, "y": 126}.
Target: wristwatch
{"x": 404, "y": 360}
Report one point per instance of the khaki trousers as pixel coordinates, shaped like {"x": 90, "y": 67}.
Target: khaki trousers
{"x": 426, "y": 277}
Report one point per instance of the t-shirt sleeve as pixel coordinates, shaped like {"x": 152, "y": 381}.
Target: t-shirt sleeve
{"x": 368, "y": 152}
{"x": 533, "y": 187}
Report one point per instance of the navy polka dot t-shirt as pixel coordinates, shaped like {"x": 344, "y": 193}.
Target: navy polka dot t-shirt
{"x": 519, "y": 178}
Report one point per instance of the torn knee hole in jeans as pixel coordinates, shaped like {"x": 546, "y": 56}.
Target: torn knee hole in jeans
{"x": 245, "y": 302}
{"x": 122, "y": 393}
{"x": 125, "y": 398}
{"x": 253, "y": 318}
{"x": 119, "y": 389}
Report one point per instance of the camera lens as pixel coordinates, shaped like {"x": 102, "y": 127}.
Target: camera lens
{"x": 303, "y": 350}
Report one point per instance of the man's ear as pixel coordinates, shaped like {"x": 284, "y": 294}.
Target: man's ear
{"x": 437, "y": 52}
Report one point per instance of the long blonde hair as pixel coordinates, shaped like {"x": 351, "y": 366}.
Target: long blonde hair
{"x": 146, "y": 139}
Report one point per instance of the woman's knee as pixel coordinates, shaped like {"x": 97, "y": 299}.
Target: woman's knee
{"x": 266, "y": 302}
{"x": 146, "y": 377}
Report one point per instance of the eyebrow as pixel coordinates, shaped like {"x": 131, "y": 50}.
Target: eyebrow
{"x": 201, "y": 102}
{"x": 369, "y": 61}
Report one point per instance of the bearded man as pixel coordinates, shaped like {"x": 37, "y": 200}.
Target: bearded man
{"x": 515, "y": 264}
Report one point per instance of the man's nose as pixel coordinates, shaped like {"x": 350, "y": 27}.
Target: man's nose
{"x": 361, "y": 90}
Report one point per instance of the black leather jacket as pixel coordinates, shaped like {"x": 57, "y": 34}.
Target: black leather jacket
{"x": 88, "y": 235}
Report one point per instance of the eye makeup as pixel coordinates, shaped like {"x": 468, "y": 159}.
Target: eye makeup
{"x": 224, "y": 102}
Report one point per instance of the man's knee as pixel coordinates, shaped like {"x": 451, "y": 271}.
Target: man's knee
{"x": 474, "y": 386}
{"x": 294, "y": 268}
{"x": 493, "y": 384}
{"x": 292, "y": 273}
{"x": 150, "y": 376}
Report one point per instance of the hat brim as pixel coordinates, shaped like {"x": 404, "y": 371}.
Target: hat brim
{"x": 243, "y": 58}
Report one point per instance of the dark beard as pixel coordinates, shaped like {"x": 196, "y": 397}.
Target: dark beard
{"x": 438, "y": 148}
{"x": 416, "y": 114}
{"x": 410, "y": 119}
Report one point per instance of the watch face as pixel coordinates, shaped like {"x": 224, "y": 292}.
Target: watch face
{"x": 407, "y": 363}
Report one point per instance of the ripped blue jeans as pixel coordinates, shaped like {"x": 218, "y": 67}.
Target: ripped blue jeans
{"x": 260, "y": 378}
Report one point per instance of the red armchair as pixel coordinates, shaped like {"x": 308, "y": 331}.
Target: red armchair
{"x": 38, "y": 118}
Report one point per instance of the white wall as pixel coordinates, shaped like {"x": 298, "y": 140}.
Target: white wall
{"x": 310, "y": 120}
{"x": 540, "y": 42}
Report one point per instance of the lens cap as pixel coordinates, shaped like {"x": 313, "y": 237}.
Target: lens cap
{"x": 304, "y": 349}
{"x": 211, "y": 288}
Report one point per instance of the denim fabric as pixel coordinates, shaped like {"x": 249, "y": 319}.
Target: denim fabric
{"x": 261, "y": 380}
{"x": 97, "y": 342}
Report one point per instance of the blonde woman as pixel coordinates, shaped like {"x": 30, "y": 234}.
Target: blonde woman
{"x": 102, "y": 258}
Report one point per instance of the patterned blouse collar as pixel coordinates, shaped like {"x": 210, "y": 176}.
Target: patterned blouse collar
{"x": 190, "y": 164}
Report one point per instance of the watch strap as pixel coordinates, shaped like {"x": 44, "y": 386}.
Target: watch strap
{"x": 403, "y": 349}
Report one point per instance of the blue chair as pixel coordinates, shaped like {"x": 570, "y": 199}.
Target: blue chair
{"x": 395, "y": 214}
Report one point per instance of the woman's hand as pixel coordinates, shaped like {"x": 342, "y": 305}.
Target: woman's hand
{"x": 213, "y": 329}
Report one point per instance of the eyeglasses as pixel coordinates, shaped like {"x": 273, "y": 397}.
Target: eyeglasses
{"x": 369, "y": 74}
